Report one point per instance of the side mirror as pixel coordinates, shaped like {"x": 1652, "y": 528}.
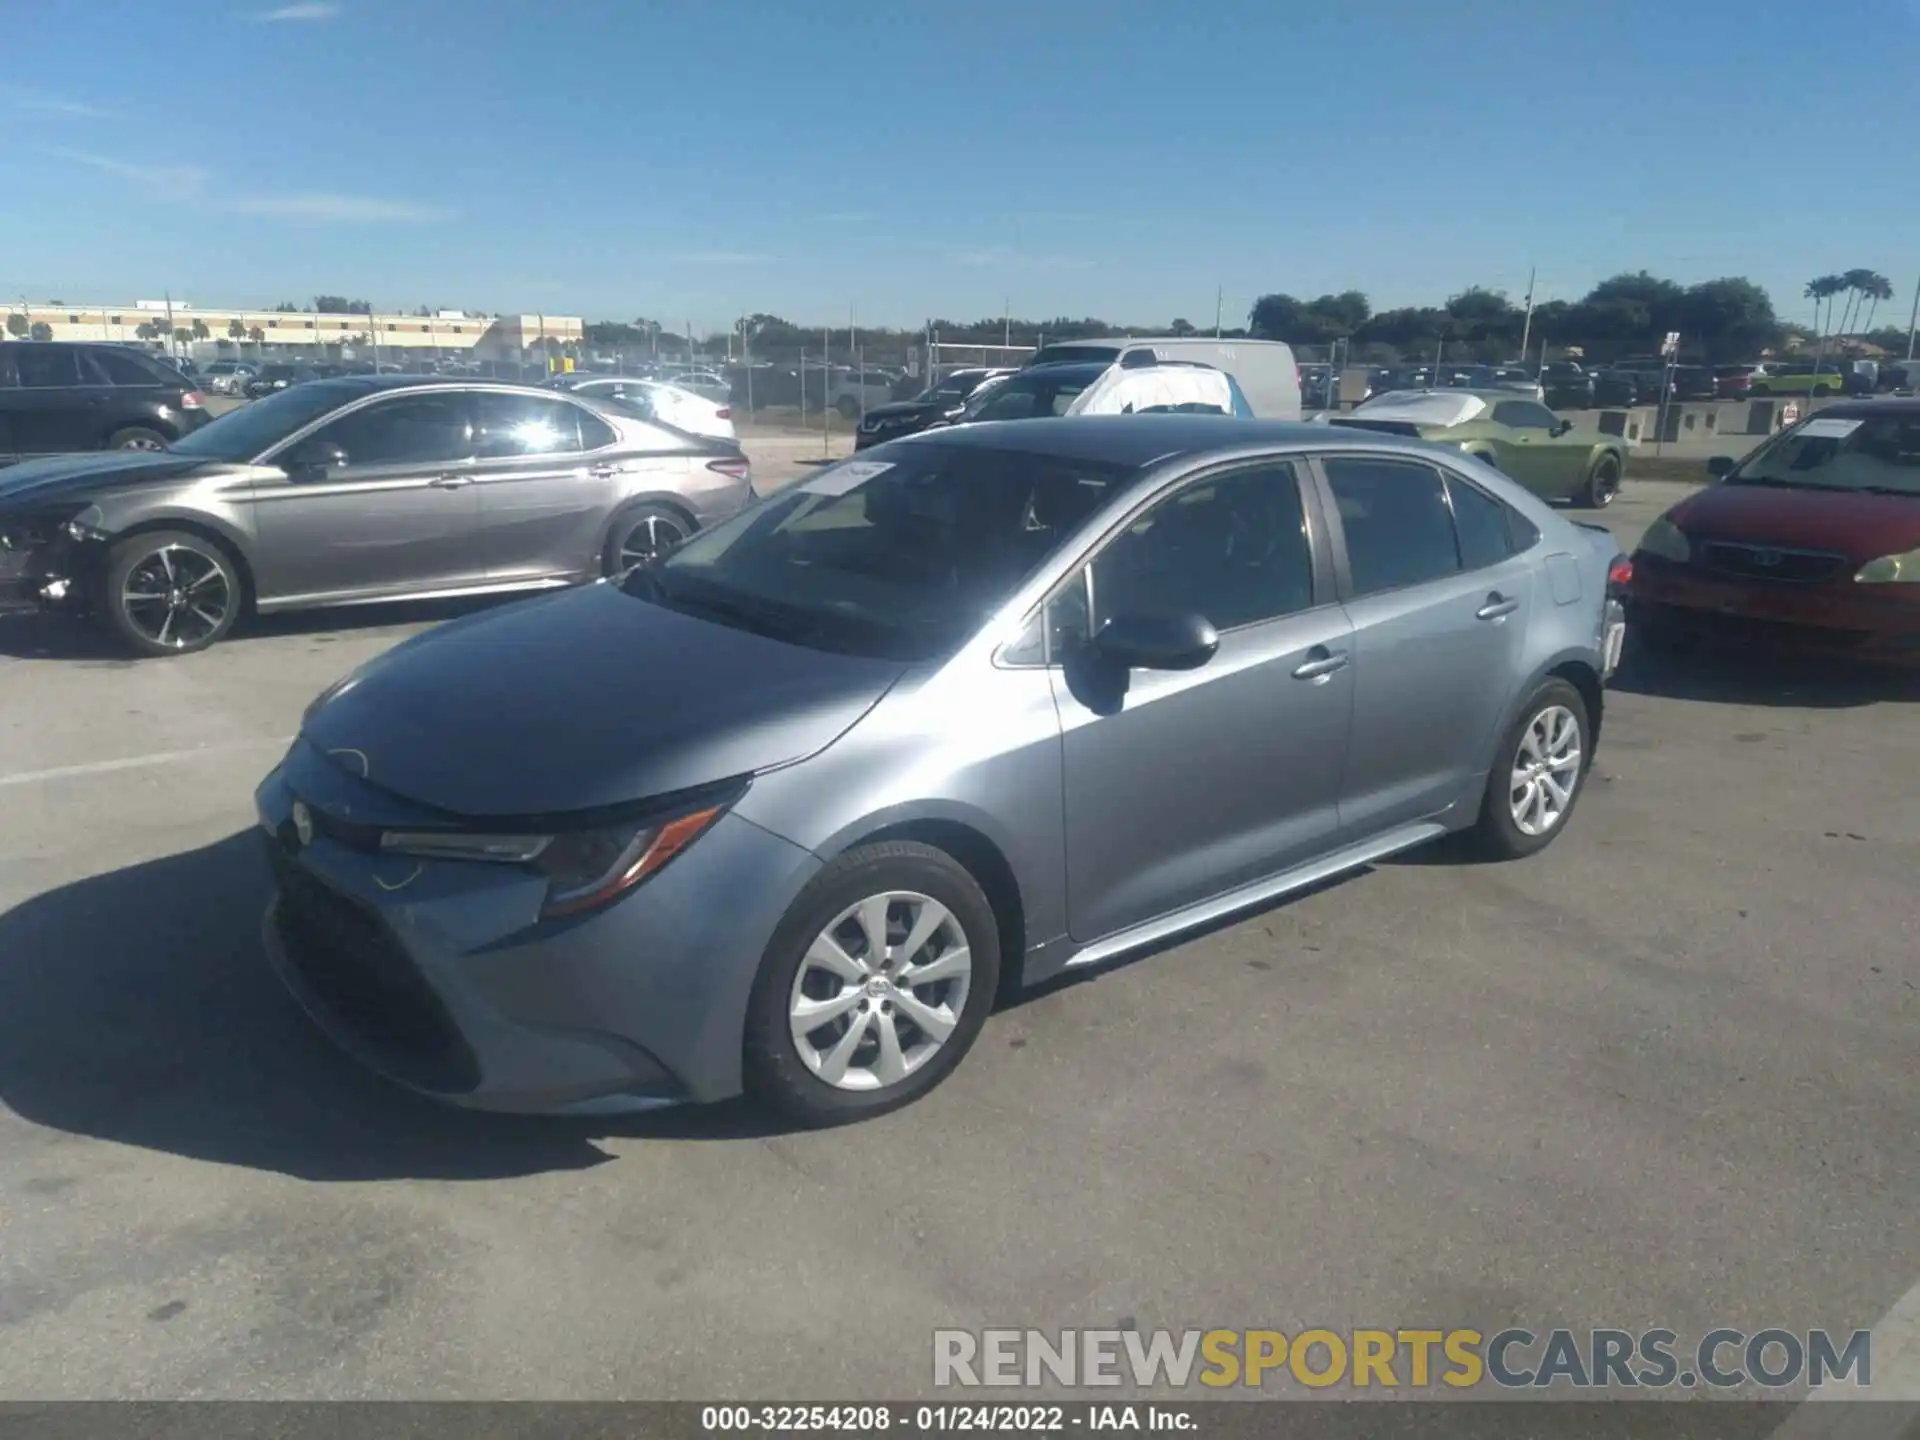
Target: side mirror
{"x": 313, "y": 459}
{"x": 1156, "y": 642}
{"x": 1720, "y": 466}
{"x": 1562, "y": 427}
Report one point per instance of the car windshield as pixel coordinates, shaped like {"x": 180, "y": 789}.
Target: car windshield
{"x": 1032, "y": 393}
{"x": 240, "y": 435}
{"x": 903, "y": 555}
{"x": 1877, "y": 454}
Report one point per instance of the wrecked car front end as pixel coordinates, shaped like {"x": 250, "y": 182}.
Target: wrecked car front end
{"x": 51, "y": 555}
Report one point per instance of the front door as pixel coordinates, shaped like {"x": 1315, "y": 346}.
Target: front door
{"x": 1439, "y": 608}
{"x": 400, "y": 515}
{"x": 1189, "y": 784}
{"x": 544, "y": 501}
{"x": 1534, "y": 455}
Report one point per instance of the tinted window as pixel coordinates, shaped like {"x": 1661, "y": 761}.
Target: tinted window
{"x": 1522, "y": 533}
{"x": 1524, "y": 415}
{"x": 594, "y": 432}
{"x": 510, "y": 425}
{"x": 904, "y": 556}
{"x": 1234, "y": 550}
{"x": 409, "y": 430}
{"x": 1398, "y": 527}
{"x": 254, "y": 429}
{"x": 1025, "y": 397}
{"x": 45, "y": 366}
{"x": 1481, "y": 523}
{"x": 121, "y": 368}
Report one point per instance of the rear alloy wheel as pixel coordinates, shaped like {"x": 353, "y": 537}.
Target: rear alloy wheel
{"x": 643, "y": 535}
{"x": 1603, "y": 483}
{"x": 1537, "y": 776}
{"x": 170, "y": 592}
{"x": 874, "y": 987}
{"x": 136, "y": 437}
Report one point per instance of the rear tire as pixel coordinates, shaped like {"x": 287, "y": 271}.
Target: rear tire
{"x": 171, "y": 592}
{"x": 1603, "y": 483}
{"x": 1547, "y": 751}
{"x": 136, "y": 437}
{"x": 642, "y": 535}
{"x": 881, "y": 1039}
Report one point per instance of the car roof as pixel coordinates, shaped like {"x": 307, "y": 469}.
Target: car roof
{"x": 1906, "y": 406}
{"x": 1143, "y": 440}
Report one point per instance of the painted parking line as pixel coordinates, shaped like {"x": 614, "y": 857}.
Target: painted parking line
{"x": 138, "y": 762}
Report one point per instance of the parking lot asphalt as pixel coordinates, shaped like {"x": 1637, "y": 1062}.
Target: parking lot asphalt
{"x": 1663, "y": 1074}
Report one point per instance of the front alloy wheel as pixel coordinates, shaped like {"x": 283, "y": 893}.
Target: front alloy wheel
{"x": 171, "y": 593}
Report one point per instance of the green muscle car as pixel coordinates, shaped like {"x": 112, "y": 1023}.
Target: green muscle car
{"x": 1523, "y": 439}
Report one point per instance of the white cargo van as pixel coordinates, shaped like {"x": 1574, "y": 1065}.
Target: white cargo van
{"x": 1265, "y": 369}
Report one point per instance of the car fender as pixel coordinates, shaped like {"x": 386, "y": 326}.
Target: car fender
{"x": 1538, "y": 676}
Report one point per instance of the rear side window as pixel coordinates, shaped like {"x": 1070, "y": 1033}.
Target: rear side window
{"x": 1486, "y": 536}
{"x": 512, "y": 425}
{"x": 594, "y": 432}
{"x": 121, "y": 368}
{"x": 1398, "y": 525}
{"x": 43, "y": 368}
{"x": 1522, "y": 533}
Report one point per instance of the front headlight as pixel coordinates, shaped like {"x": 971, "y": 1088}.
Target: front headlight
{"x": 1891, "y": 570}
{"x": 1664, "y": 539}
{"x": 584, "y": 868}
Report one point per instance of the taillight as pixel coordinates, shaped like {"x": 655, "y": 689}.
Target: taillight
{"x": 1620, "y": 573}
{"x": 733, "y": 468}
{"x": 192, "y": 401}
{"x": 724, "y": 413}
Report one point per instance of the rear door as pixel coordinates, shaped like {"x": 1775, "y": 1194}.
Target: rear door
{"x": 1533, "y": 454}
{"x": 545, "y": 484}
{"x": 399, "y": 516}
{"x": 1439, "y": 607}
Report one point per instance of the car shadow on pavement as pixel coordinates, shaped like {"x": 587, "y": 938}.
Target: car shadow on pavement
{"x": 137, "y": 1007}
{"x": 1756, "y": 678}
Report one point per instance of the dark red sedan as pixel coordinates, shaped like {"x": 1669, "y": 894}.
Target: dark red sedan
{"x": 1810, "y": 543}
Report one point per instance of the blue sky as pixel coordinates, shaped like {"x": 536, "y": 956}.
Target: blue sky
{"x": 691, "y": 160}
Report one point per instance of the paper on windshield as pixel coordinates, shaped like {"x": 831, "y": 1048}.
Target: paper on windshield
{"x": 1831, "y": 429}
{"x": 845, "y": 477}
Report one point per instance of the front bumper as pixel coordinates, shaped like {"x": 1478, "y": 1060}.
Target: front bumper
{"x": 52, "y": 575}
{"x": 441, "y": 975}
{"x": 1878, "y": 624}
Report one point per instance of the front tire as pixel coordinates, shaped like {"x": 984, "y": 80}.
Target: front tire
{"x": 874, "y": 987}
{"x": 171, "y": 592}
{"x": 136, "y": 437}
{"x": 1603, "y": 483}
{"x": 641, "y": 536}
{"x": 1537, "y": 776}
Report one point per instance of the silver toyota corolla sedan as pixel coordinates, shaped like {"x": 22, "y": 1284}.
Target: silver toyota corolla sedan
{"x": 787, "y": 811}
{"x": 357, "y": 489}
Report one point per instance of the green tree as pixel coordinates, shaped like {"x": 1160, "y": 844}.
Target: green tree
{"x": 1729, "y": 319}
{"x": 1875, "y": 287}
{"x": 286, "y": 307}
{"x": 200, "y": 330}
{"x": 1821, "y": 290}
{"x": 17, "y": 324}
{"x": 41, "y": 330}
{"x": 183, "y": 334}
{"x": 256, "y": 335}
{"x": 237, "y": 328}
{"x": 1181, "y": 327}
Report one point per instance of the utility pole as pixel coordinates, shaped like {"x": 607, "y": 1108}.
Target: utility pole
{"x": 1912, "y": 319}
{"x": 1526, "y": 326}
{"x": 1219, "y": 307}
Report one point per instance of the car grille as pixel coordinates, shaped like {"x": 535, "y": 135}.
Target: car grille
{"x": 1762, "y": 562}
{"x": 345, "y": 954}
{"x": 1748, "y": 630}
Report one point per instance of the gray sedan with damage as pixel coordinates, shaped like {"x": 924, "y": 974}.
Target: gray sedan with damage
{"x": 352, "y": 490}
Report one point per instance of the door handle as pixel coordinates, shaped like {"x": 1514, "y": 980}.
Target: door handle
{"x": 603, "y": 472}
{"x": 450, "y": 482}
{"x": 1320, "y": 664}
{"x": 1498, "y": 607}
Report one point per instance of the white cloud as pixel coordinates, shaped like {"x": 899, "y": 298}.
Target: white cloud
{"x": 341, "y": 209}
{"x": 309, "y": 12}
{"x": 163, "y": 180}
{"x": 56, "y": 105}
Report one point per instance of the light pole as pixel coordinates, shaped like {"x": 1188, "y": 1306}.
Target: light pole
{"x": 1912, "y": 318}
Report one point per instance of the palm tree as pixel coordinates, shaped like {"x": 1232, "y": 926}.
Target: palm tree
{"x": 200, "y": 330}
{"x": 237, "y": 328}
{"x": 1855, "y": 282}
{"x": 1821, "y": 289}
{"x": 1876, "y": 287}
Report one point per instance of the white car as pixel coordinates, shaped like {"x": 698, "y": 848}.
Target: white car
{"x": 669, "y": 404}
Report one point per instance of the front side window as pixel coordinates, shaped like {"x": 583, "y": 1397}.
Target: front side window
{"x": 46, "y": 367}
{"x": 1027, "y": 397}
{"x": 1523, "y": 415}
{"x": 902, "y": 557}
{"x": 510, "y": 426}
{"x": 406, "y": 430}
{"x": 1398, "y": 526}
{"x": 241, "y": 435}
{"x": 1233, "y": 550}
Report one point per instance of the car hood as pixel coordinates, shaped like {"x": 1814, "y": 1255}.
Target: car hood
{"x": 1862, "y": 527}
{"x": 59, "y": 477}
{"x": 907, "y": 409}
{"x": 584, "y": 699}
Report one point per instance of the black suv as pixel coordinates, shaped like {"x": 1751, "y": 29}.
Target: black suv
{"x": 937, "y": 404}
{"x": 57, "y": 397}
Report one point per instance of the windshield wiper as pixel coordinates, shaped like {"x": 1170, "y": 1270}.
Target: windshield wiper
{"x": 1912, "y": 493}
{"x": 1777, "y": 483}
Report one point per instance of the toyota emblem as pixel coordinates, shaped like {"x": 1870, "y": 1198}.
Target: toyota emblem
{"x": 303, "y": 822}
